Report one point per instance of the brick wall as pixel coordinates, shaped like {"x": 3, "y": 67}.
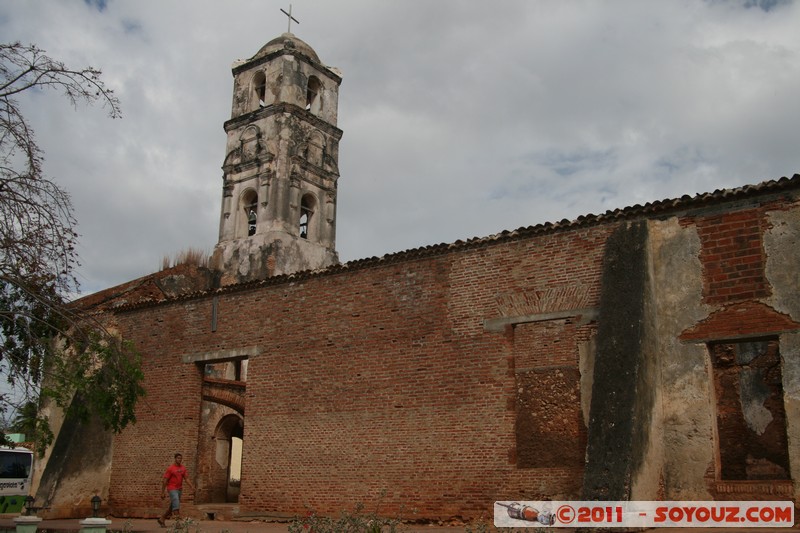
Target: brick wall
{"x": 376, "y": 384}
{"x": 436, "y": 380}
{"x": 383, "y": 383}
{"x": 732, "y": 255}
{"x": 167, "y": 418}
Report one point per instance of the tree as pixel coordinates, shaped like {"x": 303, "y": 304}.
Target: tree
{"x": 26, "y": 419}
{"x": 48, "y": 347}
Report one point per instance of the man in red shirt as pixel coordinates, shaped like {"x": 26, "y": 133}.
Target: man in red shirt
{"x": 172, "y": 482}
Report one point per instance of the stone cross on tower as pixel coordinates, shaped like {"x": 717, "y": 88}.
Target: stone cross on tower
{"x": 291, "y": 18}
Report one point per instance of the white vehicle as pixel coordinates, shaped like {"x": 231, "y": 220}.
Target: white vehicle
{"x": 15, "y": 478}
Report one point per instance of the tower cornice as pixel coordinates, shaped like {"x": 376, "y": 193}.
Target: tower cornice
{"x": 282, "y": 107}
{"x": 237, "y": 168}
{"x": 249, "y": 64}
{"x": 320, "y": 173}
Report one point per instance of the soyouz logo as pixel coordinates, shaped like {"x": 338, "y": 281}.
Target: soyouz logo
{"x": 645, "y": 514}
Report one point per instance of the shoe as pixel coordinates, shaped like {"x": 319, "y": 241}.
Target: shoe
{"x": 161, "y": 522}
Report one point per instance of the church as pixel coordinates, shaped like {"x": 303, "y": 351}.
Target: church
{"x": 648, "y": 353}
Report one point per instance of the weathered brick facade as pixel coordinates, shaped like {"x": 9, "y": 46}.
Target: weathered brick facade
{"x": 565, "y": 361}
{"x": 444, "y": 378}
{"x": 376, "y": 379}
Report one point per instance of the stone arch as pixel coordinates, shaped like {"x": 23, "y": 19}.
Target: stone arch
{"x": 314, "y": 95}
{"x": 315, "y": 148}
{"x": 247, "y": 214}
{"x": 259, "y": 85}
{"x": 307, "y": 223}
{"x": 249, "y": 143}
{"x": 227, "y": 394}
{"x": 233, "y": 158}
{"x": 225, "y": 466}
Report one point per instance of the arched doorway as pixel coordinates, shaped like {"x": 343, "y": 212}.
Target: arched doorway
{"x": 226, "y": 475}
{"x": 221, "y": 428}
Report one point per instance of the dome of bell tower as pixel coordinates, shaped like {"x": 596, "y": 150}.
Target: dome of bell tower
{"x": 290, "y": 41}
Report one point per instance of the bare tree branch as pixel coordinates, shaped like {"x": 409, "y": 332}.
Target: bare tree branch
{"x": 47, "y": 347}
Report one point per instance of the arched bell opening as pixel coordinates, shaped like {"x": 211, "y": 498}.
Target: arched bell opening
{"x": 259, "y": 90}
{"x": 314, "y": 95}
{"x": 307, "y": 206}
{"x": 248, "y": 214}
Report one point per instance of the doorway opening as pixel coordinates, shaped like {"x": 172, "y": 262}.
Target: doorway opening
{"x": 228, "y": 458}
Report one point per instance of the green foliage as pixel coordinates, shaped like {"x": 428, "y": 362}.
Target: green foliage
{"x": 47, "y": 350}
{"x": 355, "y": 522}
{"x": 483, "y": 527}
{"x": 480, "y": 527}
{"x": 96, "y": 376}
{"x": 35, "y": 427}
{"x": 105, "y": 373}
{"x": 25, "y": 421}
{"x": 28, "y": 322}
{"x": 127, "y": 527}
{"x": 47, "y": 346}
{"x": 180, "y": 525}
{"x": 183, "y": 525}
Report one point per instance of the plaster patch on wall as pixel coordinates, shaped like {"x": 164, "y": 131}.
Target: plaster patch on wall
{"x": 752, "y": 391}
{"x": 790, "y": 348}
{"x": 222, "y": 452}
{"x": 685, "y": 396}
{"x": 782, "y": 269}
{"x": 753, "y": 394}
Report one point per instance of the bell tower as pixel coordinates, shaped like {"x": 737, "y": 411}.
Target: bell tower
{"x": 281, "y": 165}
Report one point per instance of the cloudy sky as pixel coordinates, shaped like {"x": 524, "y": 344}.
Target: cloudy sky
{"x": 460, "y": 118}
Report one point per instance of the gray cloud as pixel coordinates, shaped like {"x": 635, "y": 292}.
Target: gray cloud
{"x": 460, "y": 119}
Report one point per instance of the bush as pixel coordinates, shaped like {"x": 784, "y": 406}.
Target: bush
{"x": 355, "y": 522}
